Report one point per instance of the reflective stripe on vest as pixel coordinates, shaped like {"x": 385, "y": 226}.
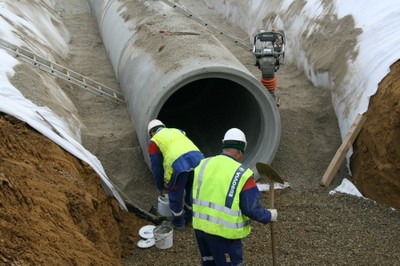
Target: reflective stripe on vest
{"x": 220, "y": 221}
{"x": 172, "y": 143}
{"x": 216, "y": 213}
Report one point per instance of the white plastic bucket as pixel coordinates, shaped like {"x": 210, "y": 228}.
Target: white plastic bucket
{"x": 163, "y": 206}
{"x": 163, "y": 236}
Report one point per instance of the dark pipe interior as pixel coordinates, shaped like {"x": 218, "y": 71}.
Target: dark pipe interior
{"x": 205, "y": 109}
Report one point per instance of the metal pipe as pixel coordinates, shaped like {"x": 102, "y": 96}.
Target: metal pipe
{"x": 172, "y": 68}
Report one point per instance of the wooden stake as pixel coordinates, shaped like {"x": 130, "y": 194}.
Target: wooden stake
{"x": 342, "y": 151}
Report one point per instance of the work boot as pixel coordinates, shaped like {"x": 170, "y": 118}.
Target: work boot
{"x": 178, "y": 222}
{"x": 188, "y": 217}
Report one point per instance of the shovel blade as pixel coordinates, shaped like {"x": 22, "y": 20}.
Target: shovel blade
{"x": 268, "y": 172}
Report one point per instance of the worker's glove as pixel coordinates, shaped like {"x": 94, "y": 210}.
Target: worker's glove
{"x": 274, "y": 215}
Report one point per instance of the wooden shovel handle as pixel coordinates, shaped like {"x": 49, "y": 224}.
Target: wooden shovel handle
{"x": 271, "y": 206}
{"x": 271, "y": 194}
{"x": 273, "y": 241}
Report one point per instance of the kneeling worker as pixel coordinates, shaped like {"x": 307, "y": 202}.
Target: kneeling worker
{"x": 225, "y": 199}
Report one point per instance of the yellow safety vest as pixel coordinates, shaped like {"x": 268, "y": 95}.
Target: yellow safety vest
{"x": 218, "y": 182}
{"x": 172, "y": 143}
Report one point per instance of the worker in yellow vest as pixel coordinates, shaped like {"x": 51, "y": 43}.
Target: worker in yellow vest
{"x": 173, "y": 157}
{"x": 225, "y": 199}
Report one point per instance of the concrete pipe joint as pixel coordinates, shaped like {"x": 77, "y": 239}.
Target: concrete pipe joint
{"x": 171, "y": 68}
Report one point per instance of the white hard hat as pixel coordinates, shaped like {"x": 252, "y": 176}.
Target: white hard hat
{"x": 234, "y": 138}
{"x": 154, "y": 123}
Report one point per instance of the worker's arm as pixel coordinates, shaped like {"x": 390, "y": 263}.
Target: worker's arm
{"x": 250, "y": 203}
{"x": 156, "y": 162}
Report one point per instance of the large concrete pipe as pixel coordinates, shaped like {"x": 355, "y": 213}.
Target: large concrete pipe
{"x": 170, "y": 67}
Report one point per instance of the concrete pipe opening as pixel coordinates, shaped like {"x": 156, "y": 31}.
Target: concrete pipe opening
{"x": 207, "y": 107}
{"x": 208, "y": 102}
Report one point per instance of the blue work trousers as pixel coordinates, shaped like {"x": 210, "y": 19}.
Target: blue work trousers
{"x": 180, "y": 198}
{"x": 216, "y": 250}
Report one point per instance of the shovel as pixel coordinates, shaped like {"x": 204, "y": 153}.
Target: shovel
{"x": 272, "y": 176}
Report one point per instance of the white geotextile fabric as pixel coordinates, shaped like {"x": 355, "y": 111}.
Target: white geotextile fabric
{"x": 33, "y": 20}
{"x": 378, "y": 43}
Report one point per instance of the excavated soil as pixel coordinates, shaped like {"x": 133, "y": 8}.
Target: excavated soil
{"x": 53, "y": 210}
{"x": 375, "y": 162}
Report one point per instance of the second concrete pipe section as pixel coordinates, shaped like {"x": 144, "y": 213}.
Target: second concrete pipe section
{"x": 172, "y": 68}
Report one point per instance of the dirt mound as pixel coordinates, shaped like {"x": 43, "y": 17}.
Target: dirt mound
{"x": 375, "y": 162}
{"x": 53, "y": 210}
